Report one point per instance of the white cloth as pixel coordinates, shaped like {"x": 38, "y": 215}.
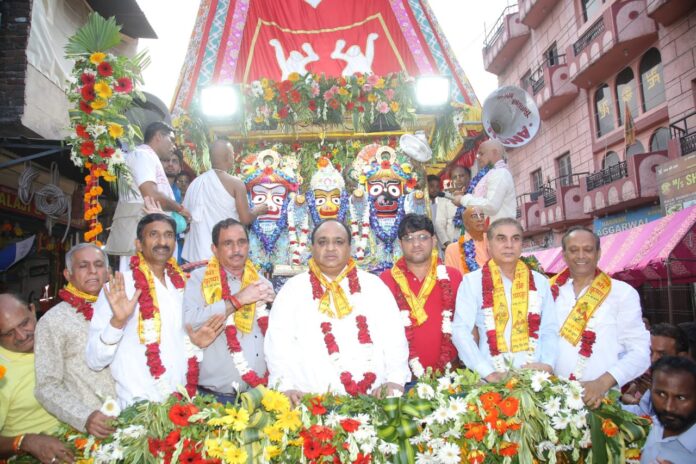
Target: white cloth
{"x": 445, "y": 229}
{"x": 468, "y": 314}
{"x": 495, "y": 194}
{"x": 145, "y": 166}
{"x": 623, "y": 344}
{"x": 295, "y": 351}
{"x": 121, "y": 350}
{"x": 209, "y": 203}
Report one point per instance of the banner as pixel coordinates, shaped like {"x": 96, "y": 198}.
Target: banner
{"x": 15, "y": 252}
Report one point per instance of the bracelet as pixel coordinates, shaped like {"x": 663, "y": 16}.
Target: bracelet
{"x": 17, "y": 444}
{"x": 235, "y": 302}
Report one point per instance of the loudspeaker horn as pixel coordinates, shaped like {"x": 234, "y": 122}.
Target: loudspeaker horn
{"x": 510, "y": 116}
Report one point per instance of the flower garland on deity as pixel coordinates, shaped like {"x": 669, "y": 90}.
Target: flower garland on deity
{"x": 297, "y": 241}
{"x": 467, "y": 250}
{"x": 149, "y": 324}
{"x": 578, "y": 328}
{"x": 526, "y": 313}
{"x": 413, "y": 313}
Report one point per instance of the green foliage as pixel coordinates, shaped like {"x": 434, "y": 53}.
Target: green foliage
{"x": 98, "y": 35}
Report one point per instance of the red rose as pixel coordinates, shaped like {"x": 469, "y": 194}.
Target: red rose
{"x": 173, "y": 438}
{"x": 295, "y": 96}
{"x": 350, "y": 105}
{"x": 87, "y": 79}
{"x": 179, "y": 415}
{"x": 155, "y": 446}
{"x": 107, "y": 152}
{"x": 283, "y": 112}
{"x": 317, "y": 409}
{"x": 361, "y": 109}
{"x": 312, "y": 105}
{"x": 123, "y": 85}
{"x": 88, "y": 93}
{"x": 81, "y": 131}
{"x": 327, "y": 450}
{"x": 85, "y": 108}
{"x": 285, "y": 86}
{"x": 333, "y": 103}
{"x": 87, "y": 148}
{"x": 105, "y": 69}
{"x": 363, "y": 459}
{"x": 350, "y": 425}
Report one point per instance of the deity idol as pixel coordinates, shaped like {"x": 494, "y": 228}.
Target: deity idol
{"x": 390, "y": 183}
{"x": 272, "y": 182}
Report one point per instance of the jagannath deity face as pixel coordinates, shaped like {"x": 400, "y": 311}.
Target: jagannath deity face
{"x": 272, "y": 195}
{"x": 327, "y": 203}
{"x": 385, "y": 194}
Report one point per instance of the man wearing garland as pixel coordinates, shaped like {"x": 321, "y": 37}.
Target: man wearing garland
{"x": 470, "y": 252}
{"x": 446, "y": 225}
{"x": 425, "y": 292}
{"x": 65, "y": 386}
{"x": 335, "y": 328}
{"x": 494, "y": 192}
{"x": 603, "y": 341}
{"x": 137, "y": 328}
{"x": 230, "y": 287}
{"x": 510, "y": 305}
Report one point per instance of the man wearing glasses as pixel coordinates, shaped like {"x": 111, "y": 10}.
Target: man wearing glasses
{"x": 470, "y": 252}
{"x": 425, "y": 291}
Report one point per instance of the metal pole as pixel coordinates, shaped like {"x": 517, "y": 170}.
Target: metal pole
{"x": 670, "y": 316}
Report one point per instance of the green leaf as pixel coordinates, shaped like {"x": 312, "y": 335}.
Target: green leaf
{"x": 97, "y": 35}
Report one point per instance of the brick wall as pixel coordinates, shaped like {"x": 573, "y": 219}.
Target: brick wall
{"x": 14, "y": 35}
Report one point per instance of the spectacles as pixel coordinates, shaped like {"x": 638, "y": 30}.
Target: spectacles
{"x": 416, "y": 238}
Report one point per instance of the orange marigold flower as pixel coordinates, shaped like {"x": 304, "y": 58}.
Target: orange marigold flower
{"x": 609, "y": 428}
{"x": 507, "y": 448}
{"x": 490, "y": 399}
{"x": 500, "y": 426}
{"x": 512, "y": 383}
{"x": 509, "y": 406}
{"x": 475, "y": 431}
{"x": 514, "y": 424}
{"x": 476, "y": 457}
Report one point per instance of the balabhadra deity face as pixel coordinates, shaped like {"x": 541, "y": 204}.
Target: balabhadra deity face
{"x": 385, "y": 194}
{"x": 327, "y": 203}
{"x": 273, "y": 195}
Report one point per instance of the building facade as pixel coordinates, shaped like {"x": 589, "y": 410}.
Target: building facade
{"x": 594, "y": 69}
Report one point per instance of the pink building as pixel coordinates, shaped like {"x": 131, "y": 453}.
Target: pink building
{"x": 586, "y": 62}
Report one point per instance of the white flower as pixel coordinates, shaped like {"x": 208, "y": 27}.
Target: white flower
{"x": 332, "y": 419}
{"x": 416, "y": 367}
{"x": 425, "y": 391}
{"x": 579, "y": 420}
{"x": 441, "y": 415}
{"x": 539, "y": 378}
{"x": 442, "y": 273}
{"x": 444, "y": 383}
{"x": 110, "y": 408}
{"x": 574, "y": 400}
{"x": 427, "y": 457}
{"x": 456, "y": 406}
{"x": 448, "y": 454}
{"x": 96, "y": 130}
{"x": 560, "y": 421}
{"x": 586, "y": 440}
{"x": 388, "y": 449}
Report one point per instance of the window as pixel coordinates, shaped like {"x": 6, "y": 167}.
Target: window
{"x": 551, "y": 55}
{"x": 610, "y": 159}
{"x": 659, "y": 139}
{"x": 590, "y": 8}
{"x": 604, "y": 115}
{"x": 651, "y": 81}
{"x": 626, "y": 94}
{"x": 537, "y": 180}
{"x": 565, "y": 169}
{"x": 635, "y": 149}
{"x": 525, "y": 80}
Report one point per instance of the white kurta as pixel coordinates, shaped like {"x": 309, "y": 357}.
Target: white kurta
{"x": 495, "y": 194}
{"x": 623, "y": 344}
{"x": 295, "y": 351}
{"x": 121, "y": 350}
{"x": 209, "y": 202}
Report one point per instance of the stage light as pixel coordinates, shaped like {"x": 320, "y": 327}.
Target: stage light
{"x": 220, "y": 101}
{"x": 432, "y": 92}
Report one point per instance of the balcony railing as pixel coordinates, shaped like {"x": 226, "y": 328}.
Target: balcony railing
{"x": 536, "y": 79}
{"x": 684, "y": 130}
{"x": 607, "y": 176}
{"x": 549, "y": 197}
{"x": 497, "y": 29}
{"x": 589, "y": 35}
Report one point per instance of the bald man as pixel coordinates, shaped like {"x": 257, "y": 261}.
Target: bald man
{"x": 213, "y": 197}
{"x": 495, "y": 192}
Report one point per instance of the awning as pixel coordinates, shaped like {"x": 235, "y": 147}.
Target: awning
{"x": 548, "y": 258}
{"x": 646, "y": 253}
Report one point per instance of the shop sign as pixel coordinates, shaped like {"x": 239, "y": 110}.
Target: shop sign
{"x": 9, "y": 201}
{"x": 676, "y": 180}
{"x": 619, "y": 222}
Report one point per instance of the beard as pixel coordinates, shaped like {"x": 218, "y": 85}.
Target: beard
{"x": 676, "y": 422}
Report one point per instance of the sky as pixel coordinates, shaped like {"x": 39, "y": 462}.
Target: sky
{"x": 463, "y": 22}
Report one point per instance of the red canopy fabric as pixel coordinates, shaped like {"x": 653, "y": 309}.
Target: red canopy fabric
{"x": 640, "y": 254}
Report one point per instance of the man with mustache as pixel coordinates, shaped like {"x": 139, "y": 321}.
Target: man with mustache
{"x": 672, "y": 438}
{"x": 65, "y": 386}
{"x": 137, "y": 328}
{"x": 445, "y": 221}
{"x": 25, "y": 427}
{"x": 230, "y": 287}
{"x": 470, "y": 252}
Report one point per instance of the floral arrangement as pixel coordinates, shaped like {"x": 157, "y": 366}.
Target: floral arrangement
{"x": 101, "y": 90}
{"x": 192, "y": 139}
{"x": 530, "y": 417}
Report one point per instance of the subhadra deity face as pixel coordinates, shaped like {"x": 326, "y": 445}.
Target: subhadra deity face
{"x": 273, "y": 195}
{"x": 327, "y": 203}
{"x": 385, "y": 194}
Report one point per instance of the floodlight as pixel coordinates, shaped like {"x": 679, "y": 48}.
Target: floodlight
{"x": 432, "y": 92}
{"x": 219, "y": 101}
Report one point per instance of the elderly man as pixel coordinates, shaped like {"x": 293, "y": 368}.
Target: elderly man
{"x": 65, "y": 386}
{"x": 24, "y": 425}
{"x": 603, "y": 342}
{"x": 495, "y": 191}
{"x": 335, "y": 328}
{"x": 149, "y": 180}
{"x": 425, "y": 292}
{"x": 672, "y": 438}
{"x": 212, "y": 197}
{"x": 510, "y": 305}
{"x": 137, "y": 325}
{"x": 229, "y": 286}
{"x": 445, "y": 222}
{"x": 470, "y": 252}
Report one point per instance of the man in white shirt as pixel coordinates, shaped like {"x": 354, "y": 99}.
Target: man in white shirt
{"x": 495, "y": 192}
{"x": 335, "y": 328}
{"x": 510, "y": 305}
{"x": 445, "y": 223}
{"x": 603, "y": 341}
{"x": 148, "y": 180}
{"x": 213, "y": 197}
{"x": 138, "y": 335}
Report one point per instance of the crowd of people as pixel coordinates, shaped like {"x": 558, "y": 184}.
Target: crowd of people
{"x": 148, "y": 329}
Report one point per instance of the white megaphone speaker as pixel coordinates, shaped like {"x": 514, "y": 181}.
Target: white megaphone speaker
{"x": 416, "y": 146}
{"x": 510, "y": 116}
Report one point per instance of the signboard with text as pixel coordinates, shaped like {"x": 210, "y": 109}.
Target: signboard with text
{"x": 619, "y": 222}
{"x": 676, "y": 180}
